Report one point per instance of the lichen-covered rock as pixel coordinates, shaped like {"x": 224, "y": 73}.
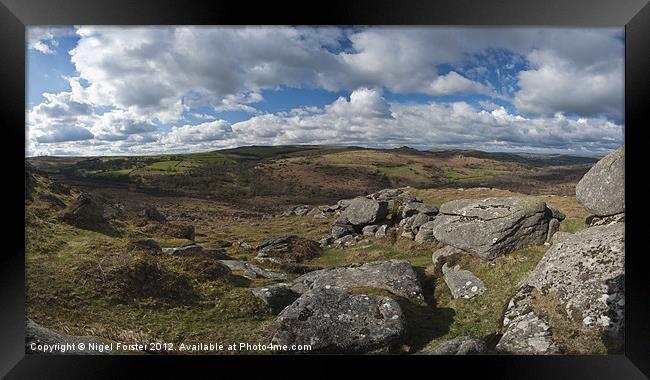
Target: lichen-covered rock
{"x": 289, "y": 249}
{"x": 331, "y": 320}
{"x": 462, "y": 283}
{"x": 189, "y": 250}
{"x": 492, "y": 227}
{"x": 595, "y": 220}
{"x": 363, "y": 211}
{"x": 252, "y": 271}
{"x": 446, "y": 255}
{"x": 414, "y": 208}
{"x": 395, "y": 276}
{"x": 369, "y": 230}
{"x": 602, "y": 190}
{"x": 425, "y": 233}
{"x": 585, "y": 271}
{"x": 525, "y": 332}
{"x": 277, "y": 296}
{"x": 340, "y": 230}
{"x": 461, "y": 345}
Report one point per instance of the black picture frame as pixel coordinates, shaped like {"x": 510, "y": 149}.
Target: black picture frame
{"x": 15, "y": 15}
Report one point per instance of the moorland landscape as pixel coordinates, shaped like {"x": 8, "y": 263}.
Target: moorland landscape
{"x": 341, "y": 249}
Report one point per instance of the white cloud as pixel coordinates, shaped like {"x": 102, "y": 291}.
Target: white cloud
{"x": 189, "y": 134}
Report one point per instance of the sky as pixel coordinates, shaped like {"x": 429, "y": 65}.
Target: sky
{"x": 95, "y": 91}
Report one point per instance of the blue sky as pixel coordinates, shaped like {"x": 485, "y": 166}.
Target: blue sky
{"x": 144, "y": 90}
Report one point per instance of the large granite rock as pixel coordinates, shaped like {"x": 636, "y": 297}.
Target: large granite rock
{"x": 363, "y": 211}
{"x": 414, "y": 208}
{"x": 425, "y": 233}
{"x": 492, "y": 227}
{"x": 395, "y": 276}
{"x": 461, "y": 345}
{"x": 602, "y": 190}
{"x": 331, "y": 320}
{"x": 89, "y": 210}
{"x": 585, "y": 272}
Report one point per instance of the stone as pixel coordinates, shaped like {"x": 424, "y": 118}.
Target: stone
{"x": 87, "y": 211}
{"x": 462, "y": 283}
{"x": 148, "y": 244}
{"x": 395, "y": 276}
{"x": 36, "y": 335}
{"x": 331, "y": 320}
{"x": 369, "y": 230}
{"x": 461, "y": 345}
{"x": 277, "y": 296}
{"x": 602, "y": 190}
{"x": 381, "y": 231}
{"x": 363, "y": 211}
{"x": 327, "y": 240}
{"x": 251, "y": 271}
{"x": 297, "y": 210}
{"x": 338, "y": 230}
{"x": 553, "y": 227}
{"x": 491, "y": 227}
{"x": 419, "y": 220}
{"x": 290, "y": 248}
{"x": 190, "y": 250}
{"x": 445, "y": 255}
{"x": 595, "y": 220}
{"x": 53, "y": 199}
{"x": 346, "y": 240}
{"x": 414, "y": 208}
{"x": 585, "y": 272}
{"x": 151, "y": 213}
{"x": 425, "y": 233}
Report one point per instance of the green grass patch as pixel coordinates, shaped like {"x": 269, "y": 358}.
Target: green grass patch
{"x": 572, "y": 225}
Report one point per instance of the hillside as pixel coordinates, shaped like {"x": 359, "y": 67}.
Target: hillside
{"x": 111, "y": 263}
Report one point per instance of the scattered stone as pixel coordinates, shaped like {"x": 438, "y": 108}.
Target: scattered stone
{"x": 330, "y": 320}
{"x": 339, "y": 230}
{"x": 369, "y": 230}
{"x": 297, "y": 210}
{"x": 425, "y": 233}
{"x": 345, "y": 241}
{"x": 252, "y": 271}
{"x": 462, "y": 283}
{"x": 381, "y": 231}
{"x": 363, "y": 211}
{"x": 189, "y": 250}
{"x": 414, "y": 208}
{"x": 602, "y": 190}
{"x": 445, "y": 255}
{"x": 462, "y": 345}
{"x": 291, "y": 248}
{"x": 492, "y": 227}
{"x": 277, "y": 296}
{"x": 88, "y": 211}
{"x": 395, "y": 276}
{"x": 326, "y": 241}
{"x": 151, "y": 213}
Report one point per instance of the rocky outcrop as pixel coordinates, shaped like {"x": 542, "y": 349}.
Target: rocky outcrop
{"x": 331, "y": 320}
{"x": 492, "y": 227}
{"x": 395, "y": 276}
{"x": 287, "y": 249}
{"x": 595, "y": 220}
{"x": 276, "y": 297}
{"x": 461, "y": 345}
{"x": 602, "y": 190}
{"x": 462, "y": 283}
{"x": 379, "y": 214}
{"x": 585, "y": 272}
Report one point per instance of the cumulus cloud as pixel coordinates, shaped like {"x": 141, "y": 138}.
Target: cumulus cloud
{"x": 132, "y": 83}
